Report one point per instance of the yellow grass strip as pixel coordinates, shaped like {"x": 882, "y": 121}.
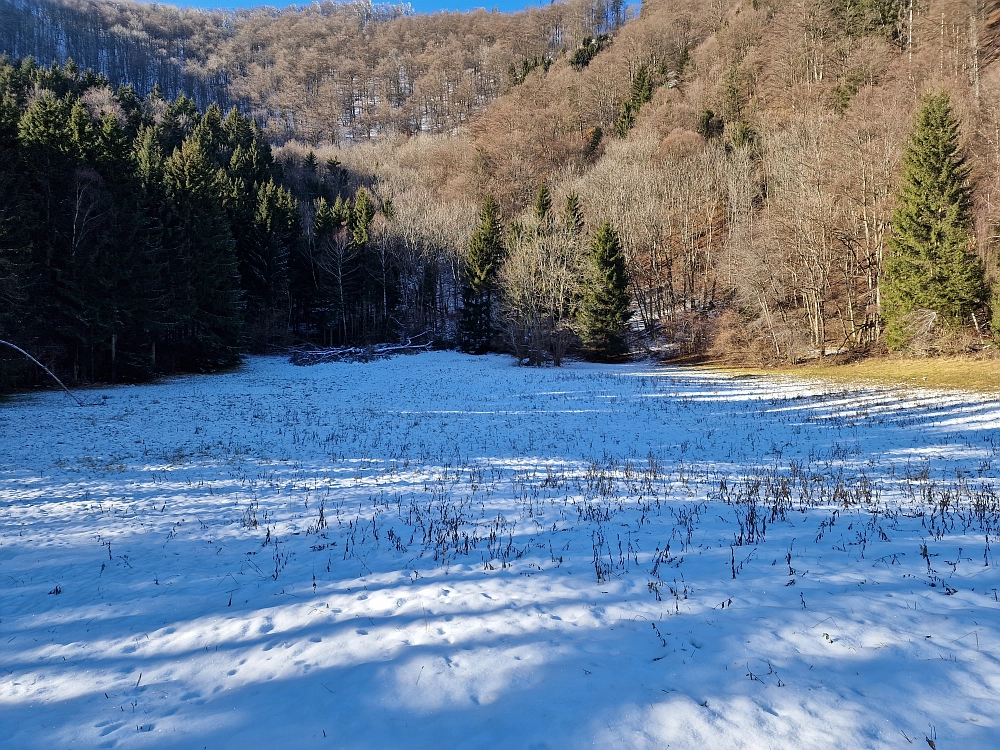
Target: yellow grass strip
{"x": 964, "y": 373}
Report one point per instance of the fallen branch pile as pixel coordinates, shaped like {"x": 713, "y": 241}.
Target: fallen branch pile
{"x": 304, "y": 357}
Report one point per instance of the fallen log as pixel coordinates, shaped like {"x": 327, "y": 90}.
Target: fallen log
{"x": 313, "y": 356}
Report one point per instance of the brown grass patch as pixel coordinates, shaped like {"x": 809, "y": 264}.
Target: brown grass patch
{"x": 964, "y": 373}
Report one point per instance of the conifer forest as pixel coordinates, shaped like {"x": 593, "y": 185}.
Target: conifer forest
{"x": 755, "y": 182}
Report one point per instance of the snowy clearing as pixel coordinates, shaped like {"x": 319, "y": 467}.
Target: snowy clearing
{"x": 448, "y": 551}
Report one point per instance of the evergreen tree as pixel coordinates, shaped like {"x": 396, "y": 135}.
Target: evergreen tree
{"x": 604, "y": 310}
{"x": 154, "y": 208}
{"x": 476, "y": 329}
{"x": 263, "y": 262}
{"x": 206, "y": 310}
{"x": 113, "y": 149}
{"x": 364, "y": 213}
{"x": 14, "y": 249}
{"x": 640, "y": 93}
{"x": 931, "y": 262}
{"x": 543, "y": 206}
{"x": 49, "y": 158}
{"x": 238, "y": 129}
{"x": 331, "y": 266}
{"x": 179, "y": 119}
{"x": 573, "y": 215}
{"x": 82, "y": 129}
{"x": 44, "y": 128}
{"x": 149, "y": 157}
{"x": 123, "y": 235}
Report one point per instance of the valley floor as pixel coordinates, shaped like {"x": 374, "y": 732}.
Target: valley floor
{"x": 451, "y": 551}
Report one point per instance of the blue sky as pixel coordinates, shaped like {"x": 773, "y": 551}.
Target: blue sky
{"x": 421, "y": 6}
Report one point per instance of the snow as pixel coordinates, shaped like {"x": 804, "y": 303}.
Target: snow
{"x": 608, "y": 556}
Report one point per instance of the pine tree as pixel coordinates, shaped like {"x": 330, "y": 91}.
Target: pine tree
{"x": 931, "y": 262}
{"x": 476, "y": 329}
{"x": 50, "y": 156}
{"x": 318, "y": 273}
{"x": 149, "y": 158}
{"x": 604, "y": 310}
{"x": 44, "y": 128}
{"x": 83, "y": 132}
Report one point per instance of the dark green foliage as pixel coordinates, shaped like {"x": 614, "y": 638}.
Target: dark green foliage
{"x": 931, "y": 262}
{"x": 640, "y": 93}
{"x": 263, "y": 247}
{"x": 131, "y": 246}
{"x": 543, "y": 206}
{"x": 485, "y": 254}
{"x": 594, "y": 138}
{"x": 573, "y": 214}
{"x": 375, "y": 294}
{"x": 266, "y": 226}
{"x": 709, "y": 126}
{"x": 324, "y": 272}
{"x": 604, "y": 310}
{"x": 860, "y": 17}
{"x": 844, "y": 92}
{"x": 517, "y": 75}
{"x": 345, "y": 278}
{"x": 364, "y": 212}
{"x": 737, "y": 91}
{"x": 203, "y": 292}
{"x": 588, "y": 50}
{"x": 742, "y": 135}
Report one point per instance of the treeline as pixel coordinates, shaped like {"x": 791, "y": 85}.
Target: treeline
{"x": 545, "y": 286}
{"x": 140, "y": 236}
{"x": 137, "y": 235}
{"x": 751, "y": 158}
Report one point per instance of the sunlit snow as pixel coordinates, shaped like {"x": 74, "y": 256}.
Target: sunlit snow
{"x": 442, "y": 551}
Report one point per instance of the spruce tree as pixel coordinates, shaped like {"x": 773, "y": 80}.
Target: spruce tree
{"x": 205, "y": 295}
{"x": 573, "y": 214}
{"x": 640, "y": 93}
{"x": 364, "y": 213}
{"x": 604, "y": 310}
{"x": 931, "y": 262}
{"x": 485, "y": 253}
{"x": 238, "y": 129}
{"x": 50, "y": 160}
{"x": 543, "y": 206}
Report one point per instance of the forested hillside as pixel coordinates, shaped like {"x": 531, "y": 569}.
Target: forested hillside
{"x": 325, "y": 71}
{"x": 749, "y": 179}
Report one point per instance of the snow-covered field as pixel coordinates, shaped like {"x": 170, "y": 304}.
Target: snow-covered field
{"x": 443, "y": 551}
